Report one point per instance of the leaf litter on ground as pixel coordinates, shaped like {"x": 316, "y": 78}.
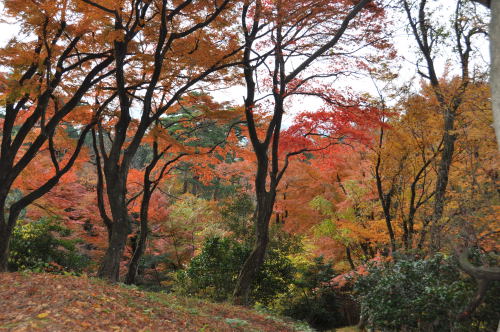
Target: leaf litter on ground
{"x": 47, "y": 302}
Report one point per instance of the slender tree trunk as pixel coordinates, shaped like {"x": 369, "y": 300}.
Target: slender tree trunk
{"x": 495, "y": 65}
{"x": 133, "y": 266}
{"x": 385, "y": 199}
{"x": 442, "y": 178}
{"x": 140, "y": 248}
{"x": 254, "y": 262}
{"x": 349, "y": 257}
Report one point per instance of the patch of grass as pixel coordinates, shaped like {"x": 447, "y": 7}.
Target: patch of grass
{"x": 236, "y": 322}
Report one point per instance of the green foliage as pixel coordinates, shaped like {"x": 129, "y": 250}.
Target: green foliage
{"x": 43, "y": 245}
{"x": 274, "y": 276}
{"x": 12, "y": 197}
{"x": 310, "y": 298}
{"x": 236, "y": 215}
{"x": 417, "y": 295}
{"x": 213, "y": 273}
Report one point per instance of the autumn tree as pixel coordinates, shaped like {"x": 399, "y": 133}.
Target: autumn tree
{"x": 297, "y": 34}
{"x": 174, "y": 138}
{"x": 46, "y": 78}
{"x": 429, "y": 37}
{"x": 162, "y": 49}
{"x": 494, "y": 33}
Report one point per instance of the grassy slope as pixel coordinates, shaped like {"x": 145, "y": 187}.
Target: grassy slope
{"x": 44, "y": 302}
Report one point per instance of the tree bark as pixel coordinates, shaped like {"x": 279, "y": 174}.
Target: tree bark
{"x": 140, "y": 248}
{"x": 442, "y": 177}
{"x": 133, "y": 266}
{"x": 120, "y": 228}
{"x": 110, "y": 267}
{"x": 495, "y": 65}
{"x": 5, "y": 234}
{"x": 349, "y": 257}
{"x": 254, "y": 262}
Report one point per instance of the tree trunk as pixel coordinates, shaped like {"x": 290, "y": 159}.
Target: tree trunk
{"x": 120, "y": 228}
{"x": 254, "y": 262}
{"x": 133, "y": 266}
{"x": 4, "y": 248}
{"x": 110, "y": 267}
{"x": 6, "y": 228}
{"x": 495, "y": 65}
{"x": 483, "y": 276}
{"x": 4, "y": 234}
{"x": 141, "y": 244}
{"x": 442, "y": 177}
{"x": 349, "y": 257}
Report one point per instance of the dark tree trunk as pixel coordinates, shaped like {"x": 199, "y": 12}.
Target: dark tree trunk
{"x": 4, "y": 234}
{"x": 269, "y": 172}
{"x": 442, "y": 178}
{"x": 254, "y": 262}
{"x": 385, "y": 199}
{"x": 133, "y": 266}
{"x": 149, "y": 186}
{"x": 4, "y": 248}
{"x": 349, "y": 257}
{"x": 140, "y": 248}
{"x": 120, "y": 227}
{"x": 110, "y": 267}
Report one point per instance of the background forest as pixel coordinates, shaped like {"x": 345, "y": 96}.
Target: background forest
{"x": 332, "y": 186}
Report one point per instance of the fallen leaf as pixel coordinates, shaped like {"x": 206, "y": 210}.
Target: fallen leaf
{"x": 42, "y": 315}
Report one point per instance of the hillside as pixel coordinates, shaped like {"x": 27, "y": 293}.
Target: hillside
{"x": 41, "y": 302}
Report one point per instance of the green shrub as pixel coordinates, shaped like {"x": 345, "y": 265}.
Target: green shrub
{"x": 310, "y": 299}
{"x": 419, "y": 295}
{"x": 43, "y": 245}
{"x": 213, "y": 273}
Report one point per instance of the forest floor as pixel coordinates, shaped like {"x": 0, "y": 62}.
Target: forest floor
{"x": 46, "y": 302}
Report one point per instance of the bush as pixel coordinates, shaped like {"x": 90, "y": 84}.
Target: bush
{"x": 419, "y": 295}
{"x": 213, "y": 273}
{"x": 43, "y": 245}
{"x": 310, "y": 298}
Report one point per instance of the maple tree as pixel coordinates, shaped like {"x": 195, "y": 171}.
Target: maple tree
{"x": 44, "y": 80}
{"x": 288, "y": 24}
{"x": 177, "y": 143}
{"x": 153, "y": 68}
{"x": 427, "y": 38}
{"x": 109, "y": 128}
